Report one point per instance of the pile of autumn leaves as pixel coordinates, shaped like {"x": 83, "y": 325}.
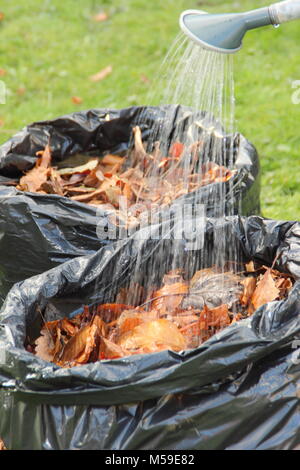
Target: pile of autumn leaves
{"x": 142, "y": 182}
{"x": 180, "y": 315}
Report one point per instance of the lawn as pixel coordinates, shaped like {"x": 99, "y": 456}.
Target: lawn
{"x": 50, "y": 48}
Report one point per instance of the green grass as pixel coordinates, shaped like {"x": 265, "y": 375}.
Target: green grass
{"x": 51, "y": 47}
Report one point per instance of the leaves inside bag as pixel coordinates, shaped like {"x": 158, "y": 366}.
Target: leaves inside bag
{"x": 127, "y": 187}
{"x": 181, "y": 314}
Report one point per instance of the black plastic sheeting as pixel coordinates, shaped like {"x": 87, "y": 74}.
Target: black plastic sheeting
{"x": 38, "y": 232}
{"x": 238, "y": 390}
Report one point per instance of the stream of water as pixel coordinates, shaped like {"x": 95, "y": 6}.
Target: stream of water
{"x": 194, "y": 89}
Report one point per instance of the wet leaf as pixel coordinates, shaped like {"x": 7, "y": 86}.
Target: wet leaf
{"x": 212, "y": 288}
{"x": 153, "y": 336}
{"x": 79, "y": 348}
{"x": 110, "y": 350}
{"x": 169, "y": 297}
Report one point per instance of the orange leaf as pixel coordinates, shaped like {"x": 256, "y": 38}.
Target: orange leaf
{"x": 110, "y": 350}
{"x": 112, "y": 160}
{"x": 176, "y": 149}
{"x": 3, "y": 72}
{"x": 80, "y": 346}
{"x": 76, "y": 99}
{"x": 154, "y": 336}
{"x": 169, "y": 296}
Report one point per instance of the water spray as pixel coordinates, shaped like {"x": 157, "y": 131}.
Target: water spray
{"x": 224, "y": 32}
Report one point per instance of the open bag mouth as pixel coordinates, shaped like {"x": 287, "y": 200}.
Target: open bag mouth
{"x": 62, "y": 291}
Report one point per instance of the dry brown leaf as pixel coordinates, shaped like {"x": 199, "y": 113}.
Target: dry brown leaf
{"x": 86, "y": 168}
{"x": 2, "y": 16}
{"x": 34, "y": 178}
{"x": 249, "y": 287}
{"x": 3, "y": 72}
{"x": 97, "y": 77}
{"x": 266, "y": 290}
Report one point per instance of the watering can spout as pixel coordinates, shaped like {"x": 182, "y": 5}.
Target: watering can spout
{"x": 224, "y": 32}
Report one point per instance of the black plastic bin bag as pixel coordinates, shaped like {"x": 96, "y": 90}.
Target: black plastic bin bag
{"x": 38, "y": 232}
{"x": 238, "y": 390}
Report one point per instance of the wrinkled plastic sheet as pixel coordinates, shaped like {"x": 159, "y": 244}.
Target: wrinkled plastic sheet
{"x": 38, "y": 232}
{"x": 238, "y": 390}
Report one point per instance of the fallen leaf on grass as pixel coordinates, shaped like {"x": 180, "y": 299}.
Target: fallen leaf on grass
{"x": 145, "y": 79}
{"x": 76, "y": 100}
{"x": 21, "y": 91}
{"x": 100, "y": 17}
{"x": 2, "y": 16}
{"x": 102, "y": 74}
{"x": 3, "y": 72}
